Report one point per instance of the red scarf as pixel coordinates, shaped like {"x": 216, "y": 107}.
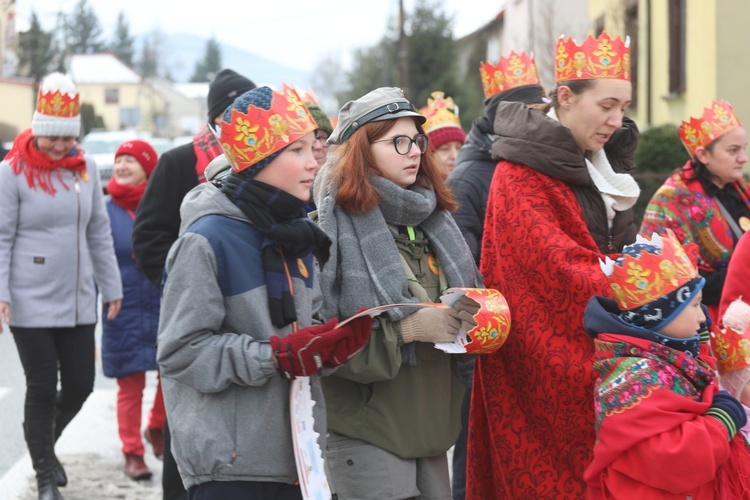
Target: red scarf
{"x": 206, "y": 148}
{"x": 125, "y": 196}
{"x": 38, "y": 167}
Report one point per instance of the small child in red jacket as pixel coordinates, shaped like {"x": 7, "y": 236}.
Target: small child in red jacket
{"x": 664, "y": 429}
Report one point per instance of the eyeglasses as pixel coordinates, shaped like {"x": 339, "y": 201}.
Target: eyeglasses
{"x": 403, "y": 143}
{"x": 322, "y": 137}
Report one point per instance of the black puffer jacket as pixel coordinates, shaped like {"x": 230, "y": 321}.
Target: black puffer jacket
{"x": 527, "y": 136}
{"x": 157, "y": 221}
{"x": 470, "y": 182}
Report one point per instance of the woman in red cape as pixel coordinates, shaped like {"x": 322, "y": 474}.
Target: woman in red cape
{"x": 560, "y": 199}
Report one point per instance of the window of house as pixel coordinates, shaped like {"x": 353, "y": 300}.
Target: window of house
{"x": 112, "y": 96}
{"x": 676, "y": 46}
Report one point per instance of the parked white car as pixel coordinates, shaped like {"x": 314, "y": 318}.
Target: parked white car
{"x": 102, "y": 145}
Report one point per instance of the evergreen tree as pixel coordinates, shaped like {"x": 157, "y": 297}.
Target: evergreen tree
{"x": 35, "y": 51}
{"x": 432, "y": 53}
{"x": 210, "y": 64}
{"x": 122, "y": 44}
{"x": 83, "y": 31}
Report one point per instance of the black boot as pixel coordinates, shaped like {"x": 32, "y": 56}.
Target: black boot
{"x": 40, "y": 438}
{"x": 62, "y": 419}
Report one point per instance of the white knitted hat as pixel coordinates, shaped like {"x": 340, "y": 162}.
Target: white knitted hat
{"x": 57, "y": 111}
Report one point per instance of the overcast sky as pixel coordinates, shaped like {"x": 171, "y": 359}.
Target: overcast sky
{"x": 296, "y": 33}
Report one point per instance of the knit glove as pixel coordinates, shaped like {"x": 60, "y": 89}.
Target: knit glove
{"x": 432, "y": 324}
{"x": 464, "y": 310}
{"x": 727, "y": 410}
{"x": 307, "y": 351}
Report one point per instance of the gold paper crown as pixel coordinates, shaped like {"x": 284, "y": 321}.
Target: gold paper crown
{"x": 440, "y": 112}
{"x": 58, "y": 104}
{"x": 255, "y": 134}
{"x": 717, "y": 119}
{"x": 596, "y": 58}
{"x": 732, "y": 349}
{"x": 513, "y": 71}
{"x": 637, "y": 281}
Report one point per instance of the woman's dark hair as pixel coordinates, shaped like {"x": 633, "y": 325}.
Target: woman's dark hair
{"x": 575, "y": 86}
{"x": 699, "y": 169}
{"x": 355, "y": 161}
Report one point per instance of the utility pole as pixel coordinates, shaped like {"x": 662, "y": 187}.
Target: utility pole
{"x": 403, "y": 51}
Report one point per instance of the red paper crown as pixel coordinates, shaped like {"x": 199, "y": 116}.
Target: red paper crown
{"x": 58, "y": 104}
{"x": 513, "y": 71}
{"x": 596, "y": 58}
{"x": 732, "y": 349}
{"x": 257, "y": 133}
{"x": 637, "y": 281}
{"x": 440, "y": 112}
{"x": 717, "y": 119}
{"x": 493, "y": 320}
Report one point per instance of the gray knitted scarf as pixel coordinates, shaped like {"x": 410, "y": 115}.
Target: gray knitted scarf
{"x": 365, "y": 269}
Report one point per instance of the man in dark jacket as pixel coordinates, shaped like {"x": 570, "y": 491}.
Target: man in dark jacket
{"x": 157, "y": 222}
{"x": 3, "y": 152}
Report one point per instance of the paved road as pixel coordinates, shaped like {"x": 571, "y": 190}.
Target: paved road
{"x": 89, "y": 448}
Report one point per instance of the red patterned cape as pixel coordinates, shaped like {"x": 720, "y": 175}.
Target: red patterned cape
{"x": 654, "y": 440}
{"x": 531, "y": 432}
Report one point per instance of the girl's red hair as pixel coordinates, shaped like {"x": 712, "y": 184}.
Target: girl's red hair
{"x": 355, "y": 162}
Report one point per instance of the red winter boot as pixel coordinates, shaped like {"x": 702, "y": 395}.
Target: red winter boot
{"x": 135, "y": 467}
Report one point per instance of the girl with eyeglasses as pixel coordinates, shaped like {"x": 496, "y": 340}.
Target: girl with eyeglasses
{"x": 394, "y": 409}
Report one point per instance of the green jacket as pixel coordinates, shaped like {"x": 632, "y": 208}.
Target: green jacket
{"x": 410, "y": 411}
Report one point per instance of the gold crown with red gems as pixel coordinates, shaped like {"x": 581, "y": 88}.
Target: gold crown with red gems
{"x": 595, "y": 58}
{"x": 731, "y": 349}
{"x": 637, "y": 281}
{"x": 58, "y": 104}
{"x": 717, "y": 119}
{"x": 515, "y": 70}
{"x": 440, "y": 112}
{"x": 255, "y": 134}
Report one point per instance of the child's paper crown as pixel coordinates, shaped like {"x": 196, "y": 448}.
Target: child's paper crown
{"x": 254, "y": 132}
{"x": 642, "y": 279}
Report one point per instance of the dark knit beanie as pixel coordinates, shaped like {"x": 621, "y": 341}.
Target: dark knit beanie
{"x": 226, "y": 86}
{"x": 321, "y": 120}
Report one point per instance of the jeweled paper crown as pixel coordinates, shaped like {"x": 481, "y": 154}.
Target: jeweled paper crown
{"x": 717, "y": 119}
{"x": 515, "y": 70}
{"x": 602, "y": 57}
{"x": 637, "y": 281}
{"x": 255, "y": 134}
{"x": 58, "y": 104}
{"x": 440, "y": 112}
